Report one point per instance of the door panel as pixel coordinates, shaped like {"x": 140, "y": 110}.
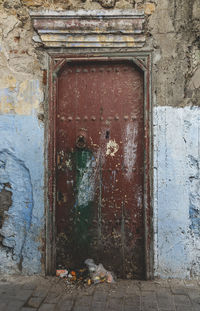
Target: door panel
{"x": 100, "y": 160}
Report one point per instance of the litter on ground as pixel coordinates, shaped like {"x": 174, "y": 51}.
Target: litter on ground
{"x": 89, "y": 274}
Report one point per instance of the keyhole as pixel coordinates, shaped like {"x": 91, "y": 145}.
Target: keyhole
{"x": 81, "y": 142}
{"x": 107, "y": 134}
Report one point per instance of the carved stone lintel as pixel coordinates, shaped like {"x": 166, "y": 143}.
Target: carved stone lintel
{"x": 90, "y": 29}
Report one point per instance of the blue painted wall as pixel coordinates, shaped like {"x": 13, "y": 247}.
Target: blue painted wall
{"x": 22, "y": 167}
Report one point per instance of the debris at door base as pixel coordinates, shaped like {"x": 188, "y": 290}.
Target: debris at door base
{"x": 86, "y": 276}
{"x": 98, "y": 273}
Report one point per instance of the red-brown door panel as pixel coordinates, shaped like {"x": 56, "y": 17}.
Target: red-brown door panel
{"x": 100, "y": 160}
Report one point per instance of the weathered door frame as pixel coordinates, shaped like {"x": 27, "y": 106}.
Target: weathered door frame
{"x": 56, "y": 62}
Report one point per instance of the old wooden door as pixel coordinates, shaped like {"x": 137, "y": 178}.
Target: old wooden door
{"x": 100, "y": 159}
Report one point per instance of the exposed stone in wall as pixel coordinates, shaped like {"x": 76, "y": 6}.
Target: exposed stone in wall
{"x": 194, "y": 82}
{"x": 20, "y": 71}
{"x": 5, "y": 204}
{"x": 107, "y": 4}
{"x": 5, "y": 201}
{"x": 174, "y": 31}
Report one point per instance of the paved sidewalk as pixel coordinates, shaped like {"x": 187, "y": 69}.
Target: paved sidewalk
{"x": 50, "y": 293}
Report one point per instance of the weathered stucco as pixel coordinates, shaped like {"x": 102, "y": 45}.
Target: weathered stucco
{"x": 21, "y": 173}
{"x": 172, "y": 33}
{"x": 21, "y": 147}
{"x": 177, "y": 191}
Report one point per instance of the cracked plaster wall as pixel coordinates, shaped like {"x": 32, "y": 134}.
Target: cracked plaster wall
{"x": 172, "y": 32}
{"x": 21, "y": 173}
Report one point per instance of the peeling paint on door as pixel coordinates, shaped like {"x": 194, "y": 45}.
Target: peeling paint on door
{"x": 130, "y": 147}
{"x": 112, "y": 148}
{"x": 84, "y": 165}
{"x": 85, "y": 179}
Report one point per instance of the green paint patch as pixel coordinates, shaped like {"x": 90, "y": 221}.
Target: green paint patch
{"x": 84, "y": 164}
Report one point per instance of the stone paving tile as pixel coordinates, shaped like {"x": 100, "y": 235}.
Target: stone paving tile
{"x": 52, "y": 297}
{"x": 98, "y": 306}
{"x": 181, "y": 300}
{"x": 14, "y": 306}
{"x": 133, "y": 300}
{"x": 83, "y": 301}
{"x": 116, "y": 294}
{"x": 3, "y": 305}
{"x": 65, "y": 304}
{"x": 130, "y": 308}
{"x": 194, "y": 295}
{"x": 51, "y": 294}
{"x": 148, "y": 300}
{"x": 99, "y": 296}
{"x": 165, "y": 302}
{"x": 149, "y": 308}
{"x": 148, "y": 286}
{"x": 116, "y": 308}
{"x": 29, "y": 285}
{"x": 132, "y": 289}
{"x": 40, "y": 292}
{"x": 165, "y": 298}
{"x": 179, "y": 290}
{"x": 5, "y": 298}
{"x": 191, "y": 284}
{"x": 162, "y": 283}
{"x": 113, "y": 303}
{"x": 184, "y": 308}
{"x": 23, "y": 294}
{"x": 8, "y": 289}
{"x": 47, "y": 307}
{"x": 35, "y": 302}
{"x": 196, "y": 307}
{"x": 176, "y": 282}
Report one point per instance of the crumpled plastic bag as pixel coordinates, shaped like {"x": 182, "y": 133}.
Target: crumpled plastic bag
{"x": 98, "y": 273}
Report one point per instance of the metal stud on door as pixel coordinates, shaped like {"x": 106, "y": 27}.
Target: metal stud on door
{"x": 100, "y": 159}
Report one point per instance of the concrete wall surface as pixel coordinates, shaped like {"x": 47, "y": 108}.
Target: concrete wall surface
{"x": 172, "y": 34}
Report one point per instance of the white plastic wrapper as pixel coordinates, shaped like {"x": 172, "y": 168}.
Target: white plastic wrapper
{"x": 98, "y": 273}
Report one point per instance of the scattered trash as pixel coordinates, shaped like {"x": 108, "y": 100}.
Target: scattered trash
{"x": 61, "y": 273}
{"x": 98, "y": 273}
{"x": 76, "y": 277}
{"x": 93, "y": 274}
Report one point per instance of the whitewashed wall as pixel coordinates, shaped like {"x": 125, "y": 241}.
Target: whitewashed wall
{"x": 177, "y": 191}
